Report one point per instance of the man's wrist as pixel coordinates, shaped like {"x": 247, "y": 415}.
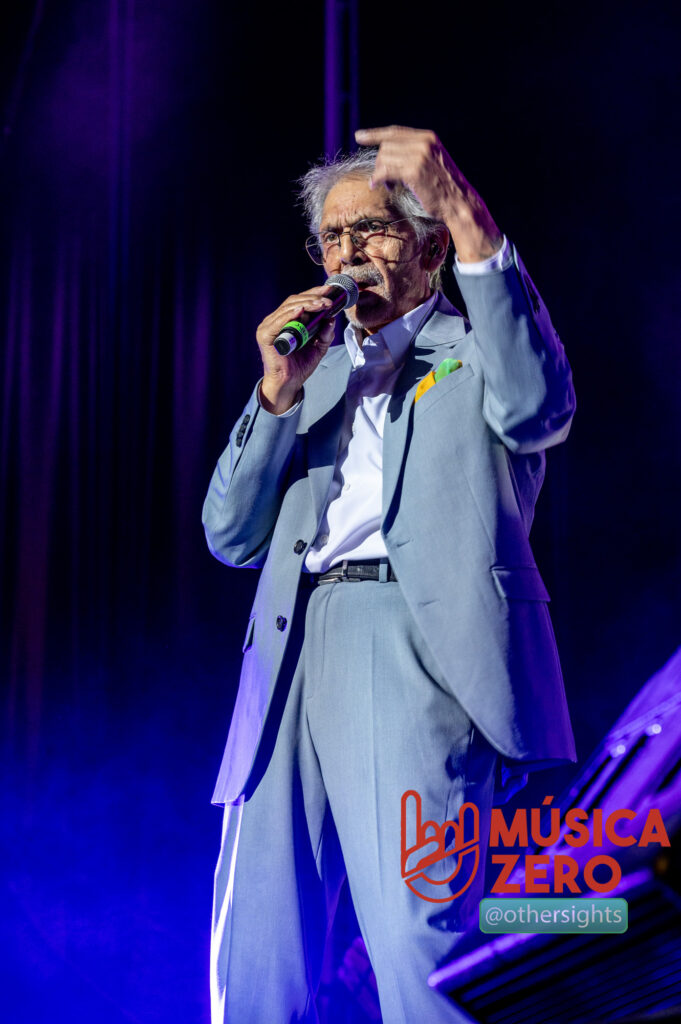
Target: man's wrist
{"x": 474, "y": 233}
{"x": 278, "y": 401}
{"x": 501, "y": 260}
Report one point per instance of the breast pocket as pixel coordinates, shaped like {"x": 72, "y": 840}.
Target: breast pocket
{"x": 443, "y": 388}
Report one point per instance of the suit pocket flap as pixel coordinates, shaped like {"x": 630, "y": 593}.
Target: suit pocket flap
{"x": 520, "y": 582}
{"x": 248, "y": 639}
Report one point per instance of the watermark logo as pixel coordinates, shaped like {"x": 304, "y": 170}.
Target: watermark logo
{"x": 424, "y": 845}
{"x": 440, "y": 861}
{"x": 532, "y": 916}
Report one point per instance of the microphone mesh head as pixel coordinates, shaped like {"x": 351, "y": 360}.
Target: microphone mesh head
{"x": 348, "y": 284}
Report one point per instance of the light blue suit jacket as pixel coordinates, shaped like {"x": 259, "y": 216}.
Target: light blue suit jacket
{"x": 462, "y": 468}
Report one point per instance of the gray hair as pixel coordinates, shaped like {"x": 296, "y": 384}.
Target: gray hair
{"x": 315, "y": 185}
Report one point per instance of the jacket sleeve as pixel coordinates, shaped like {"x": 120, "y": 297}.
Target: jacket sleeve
{"x": 529, "y": 399}
{"x": 247, "y": 486}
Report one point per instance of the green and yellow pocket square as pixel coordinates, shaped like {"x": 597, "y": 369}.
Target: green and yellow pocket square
{"x": 446, "y": 367}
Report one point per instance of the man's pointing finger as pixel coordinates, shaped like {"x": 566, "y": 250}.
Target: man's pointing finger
{"x": 375, "y": 136}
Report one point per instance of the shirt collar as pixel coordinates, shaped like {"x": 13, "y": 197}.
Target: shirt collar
{"x": 395, "y": 336}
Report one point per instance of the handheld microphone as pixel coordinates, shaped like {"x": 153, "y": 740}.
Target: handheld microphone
{"x": 297, "y": 333}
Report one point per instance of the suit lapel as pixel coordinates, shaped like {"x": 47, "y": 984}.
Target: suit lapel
{"x": 445, "y": 326}
{"x": 324, "y": 411}
{"x": 324, "y": 405}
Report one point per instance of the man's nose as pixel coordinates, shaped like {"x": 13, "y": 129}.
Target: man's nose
{"x": 350, "y": 254}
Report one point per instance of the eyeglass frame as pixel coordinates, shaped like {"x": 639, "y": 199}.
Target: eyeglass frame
{"x": 315, "y": 239}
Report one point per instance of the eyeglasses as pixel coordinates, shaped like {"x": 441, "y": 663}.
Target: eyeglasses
{"x": 364, "y": 232}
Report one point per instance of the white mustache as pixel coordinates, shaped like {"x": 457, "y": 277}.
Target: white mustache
{"x": 364, "y": 275}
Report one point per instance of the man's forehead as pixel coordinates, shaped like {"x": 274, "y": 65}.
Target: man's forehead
{"x": 351, "y": 200}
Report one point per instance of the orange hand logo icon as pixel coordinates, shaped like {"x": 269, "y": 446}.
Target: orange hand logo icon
{"x": 424, "y": 844}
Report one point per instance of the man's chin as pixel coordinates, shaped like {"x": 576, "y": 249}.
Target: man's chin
{"x": 365, "y": 324}
{"x": 367, "y": 313}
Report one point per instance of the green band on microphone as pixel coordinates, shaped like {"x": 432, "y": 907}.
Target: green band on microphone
{"x": 295, "y": 325}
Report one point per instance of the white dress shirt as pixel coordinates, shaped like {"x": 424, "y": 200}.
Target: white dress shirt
{"x": 351, "y": 525}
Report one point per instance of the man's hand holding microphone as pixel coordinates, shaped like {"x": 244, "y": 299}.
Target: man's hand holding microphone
{"x": 296, "y": 336}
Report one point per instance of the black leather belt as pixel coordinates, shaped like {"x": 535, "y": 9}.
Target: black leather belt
{"x": 354, "y": 572}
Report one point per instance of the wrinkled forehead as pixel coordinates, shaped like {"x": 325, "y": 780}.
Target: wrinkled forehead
{"x": 351, "y": 200}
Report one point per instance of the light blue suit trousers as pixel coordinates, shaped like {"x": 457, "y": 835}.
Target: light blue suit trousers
{"x": 367, "y": 717}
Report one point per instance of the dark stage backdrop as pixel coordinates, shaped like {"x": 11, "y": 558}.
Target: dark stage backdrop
{"x": 147, "y": 163}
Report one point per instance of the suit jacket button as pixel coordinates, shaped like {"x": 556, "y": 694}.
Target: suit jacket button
{"x": 299, "y": 547}
{"x": 281, "y": 623}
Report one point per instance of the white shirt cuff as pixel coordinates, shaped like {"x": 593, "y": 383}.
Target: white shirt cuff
{"x": 501, "y": 260}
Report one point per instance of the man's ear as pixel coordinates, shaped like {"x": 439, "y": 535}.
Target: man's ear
{"x": 435, "y": 248}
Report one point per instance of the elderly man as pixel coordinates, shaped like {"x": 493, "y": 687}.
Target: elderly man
{"x": 400, "y": 640}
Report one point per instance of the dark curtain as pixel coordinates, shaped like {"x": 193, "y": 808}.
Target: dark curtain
{"x": 143, "y": 223}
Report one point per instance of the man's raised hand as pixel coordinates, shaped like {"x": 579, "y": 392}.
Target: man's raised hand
{"x": 418, "y": 159}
